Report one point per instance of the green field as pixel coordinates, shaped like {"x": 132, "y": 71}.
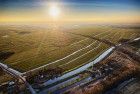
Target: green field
{"x": 37, "y": 45}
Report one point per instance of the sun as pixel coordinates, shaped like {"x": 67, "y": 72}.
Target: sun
{"x": 54, "y": 11}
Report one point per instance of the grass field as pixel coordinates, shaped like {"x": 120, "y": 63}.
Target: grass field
{"x": 37, "y": 45}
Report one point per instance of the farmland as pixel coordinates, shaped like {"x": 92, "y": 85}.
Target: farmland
{"x": 38, "y": 45}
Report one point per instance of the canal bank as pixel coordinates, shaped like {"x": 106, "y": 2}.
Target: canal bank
{"x": 57, "y": 82}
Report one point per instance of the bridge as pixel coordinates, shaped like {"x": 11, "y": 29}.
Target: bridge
{"x": 18, "y": 76}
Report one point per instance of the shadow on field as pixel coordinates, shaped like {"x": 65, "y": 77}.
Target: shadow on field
{"x": 5, "y": 55}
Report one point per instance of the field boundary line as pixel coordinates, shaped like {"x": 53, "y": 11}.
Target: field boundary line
{"x": 18, "y": 61}
{"x": 55, "y": 61}
{"x": 81, "y": 55}
{"x": 87, "y": 52}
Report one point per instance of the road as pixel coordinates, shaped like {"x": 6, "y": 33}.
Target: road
{"x": 18, "y": 76}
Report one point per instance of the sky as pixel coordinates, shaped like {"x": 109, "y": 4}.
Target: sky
{"x": 94, "y": 11}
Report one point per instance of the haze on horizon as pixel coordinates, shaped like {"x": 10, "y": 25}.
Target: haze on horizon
{"x": 94, "y": 11}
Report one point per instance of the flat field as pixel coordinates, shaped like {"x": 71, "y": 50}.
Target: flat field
{"x": 39, "y": 44}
